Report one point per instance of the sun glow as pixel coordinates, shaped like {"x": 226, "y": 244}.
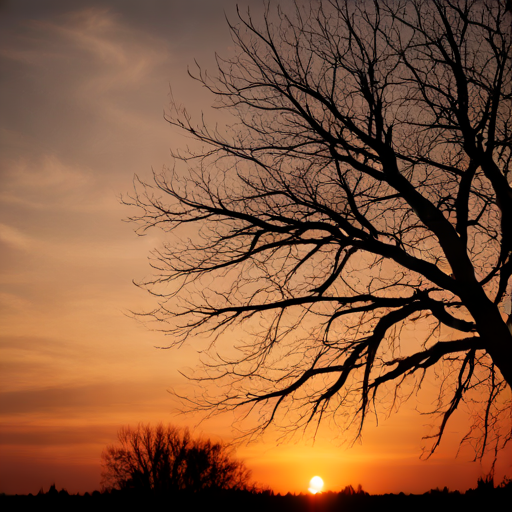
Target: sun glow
{"x": 316, "y": 485}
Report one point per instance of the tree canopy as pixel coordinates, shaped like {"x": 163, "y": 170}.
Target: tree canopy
{"x": 164, "y": 459}
{"x": 356, "y": 218}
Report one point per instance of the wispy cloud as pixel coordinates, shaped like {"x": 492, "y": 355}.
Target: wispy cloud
{"x": 48, "y": 174}
{"x": 14, "y": 237}
{"x": 72, "y": 399}
{"x": 49, "y": 435}
{"x": 116, "y": 57}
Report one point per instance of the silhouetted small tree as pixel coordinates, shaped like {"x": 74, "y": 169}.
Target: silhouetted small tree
{"x": 350, "y": 491}
{"x": 166, "y": 458}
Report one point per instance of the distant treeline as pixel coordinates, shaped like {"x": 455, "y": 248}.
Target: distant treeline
{"x": 485, "y": 497}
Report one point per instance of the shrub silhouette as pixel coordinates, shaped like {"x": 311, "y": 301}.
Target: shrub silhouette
{"x": 165, "y": 459}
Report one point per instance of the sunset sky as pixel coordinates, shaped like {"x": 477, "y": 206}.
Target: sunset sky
{"x": 84, "y": 85}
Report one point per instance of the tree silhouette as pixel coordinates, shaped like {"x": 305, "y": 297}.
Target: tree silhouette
{"x": 355, "y": 220}
{"x": 164, "y": 459}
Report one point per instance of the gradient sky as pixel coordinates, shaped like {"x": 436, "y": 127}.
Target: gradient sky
{"x": 83, "y": 88}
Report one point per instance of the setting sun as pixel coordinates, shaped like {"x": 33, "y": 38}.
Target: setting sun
{"x": 316, "y": 484}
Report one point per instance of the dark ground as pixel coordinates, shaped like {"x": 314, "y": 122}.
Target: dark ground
{"x": 482, "y": 499}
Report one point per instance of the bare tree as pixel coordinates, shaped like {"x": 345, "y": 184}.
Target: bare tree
{"x": 164, "y": 459}
{"x": 356, "y": 220}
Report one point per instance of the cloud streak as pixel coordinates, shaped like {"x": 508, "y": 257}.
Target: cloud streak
{"x": 76, "y": 399}
{"x": 14, "y": 237}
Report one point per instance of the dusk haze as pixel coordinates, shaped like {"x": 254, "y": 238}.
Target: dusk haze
{"x": 322, "y": 319}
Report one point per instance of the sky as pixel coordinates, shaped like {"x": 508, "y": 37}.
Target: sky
{"x": 83, "y": 90}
